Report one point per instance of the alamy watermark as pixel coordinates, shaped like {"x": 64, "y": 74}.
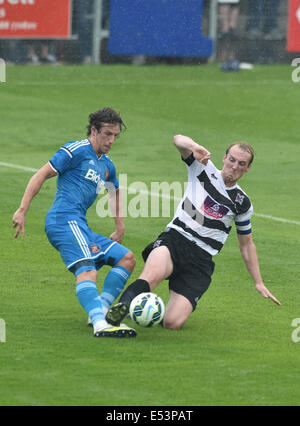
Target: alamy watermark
{"x": 158, "y": 199}
{"x": 2, "y": 71}
{"x": 2, "y": 331}
{"x": 296, "y": 333}
{"x": 296, "y": 72}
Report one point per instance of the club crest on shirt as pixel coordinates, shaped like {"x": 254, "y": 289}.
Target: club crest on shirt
{"x": 239, "y": 198}
{"x": 157, "y": 243}
{"x": 213, "y": 209}
{"x": 95, "y": 249}
{"x": 106, "y": 174}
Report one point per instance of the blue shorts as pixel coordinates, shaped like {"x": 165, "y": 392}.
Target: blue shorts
{"x": 82, "y": 249}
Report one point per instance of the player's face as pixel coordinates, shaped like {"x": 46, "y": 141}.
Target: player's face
{"x": 105, "y": 137}
{"x": 236, "y": 164}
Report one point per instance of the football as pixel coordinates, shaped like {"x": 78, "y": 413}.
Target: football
{"x": 147, "y": 309}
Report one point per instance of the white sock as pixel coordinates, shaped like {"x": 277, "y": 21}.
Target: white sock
{"x": 100, "y": 325}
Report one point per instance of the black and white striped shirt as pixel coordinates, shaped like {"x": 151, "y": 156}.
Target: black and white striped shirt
{"x": 208, "y": 208}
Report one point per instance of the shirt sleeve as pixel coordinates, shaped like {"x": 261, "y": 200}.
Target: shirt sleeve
{"x": 195, "y": 168}
{"x": 61, "y": 161}
{"x": 112, "y": 182}
{"x": 189, "y": 160}
{"x": 243, "y": 222}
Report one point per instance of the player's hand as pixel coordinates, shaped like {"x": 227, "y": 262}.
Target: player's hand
{"x": 19, "y": 220}
{"x": 117, "y": 236}
{"x": 266, "y": 293}
{"x": 201, "y": 154}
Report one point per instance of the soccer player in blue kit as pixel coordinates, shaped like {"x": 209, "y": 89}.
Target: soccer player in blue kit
{"x": 83, "y": 168}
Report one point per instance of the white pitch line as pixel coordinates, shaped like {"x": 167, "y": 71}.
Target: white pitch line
{"x": 277, "y": 219}
{"x": 164, "y": 83}
{"x": 264, "y": 216}
{"x": 15, "y": 166}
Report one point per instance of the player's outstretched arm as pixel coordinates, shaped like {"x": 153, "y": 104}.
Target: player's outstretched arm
{"x": 248, "y": 251}
{"x": 33, "y": 187}
{"x": 187, "y": 146}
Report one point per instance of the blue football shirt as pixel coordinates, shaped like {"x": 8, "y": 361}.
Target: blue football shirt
{"x": 81, "y": 175}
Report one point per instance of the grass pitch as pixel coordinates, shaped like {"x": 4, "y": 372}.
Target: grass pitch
{"x": 236, "y": 349}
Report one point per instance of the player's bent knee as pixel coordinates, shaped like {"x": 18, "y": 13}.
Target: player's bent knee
{"x": 174, "y": 323}
{"x": 87, "y": 276}
{"x": 128, "y": 261}
{"x": 178, "y": 311}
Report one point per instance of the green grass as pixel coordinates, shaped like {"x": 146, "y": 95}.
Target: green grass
{"x": 236, "y": 349}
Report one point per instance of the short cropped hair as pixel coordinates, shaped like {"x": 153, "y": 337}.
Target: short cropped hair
{"x": 106, "y": 115}
{"x": 245, "y": 147}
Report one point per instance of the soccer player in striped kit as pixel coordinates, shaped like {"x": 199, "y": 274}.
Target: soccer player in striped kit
{"x": 183, "y": 253}
{"x": 83, "y": 167}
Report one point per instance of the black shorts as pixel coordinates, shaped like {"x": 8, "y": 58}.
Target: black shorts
{"x": 192, "y": 266}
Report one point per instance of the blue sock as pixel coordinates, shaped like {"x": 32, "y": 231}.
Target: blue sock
{"x": 113, "y": 285}
{"x": 89, "y": 299}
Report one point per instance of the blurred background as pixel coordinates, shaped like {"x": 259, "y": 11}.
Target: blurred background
{"x": 126, "y": 32}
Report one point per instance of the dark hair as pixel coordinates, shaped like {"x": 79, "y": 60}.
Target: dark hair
{"x": 106, "y": 115}
{"x": 245, "y": 147}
